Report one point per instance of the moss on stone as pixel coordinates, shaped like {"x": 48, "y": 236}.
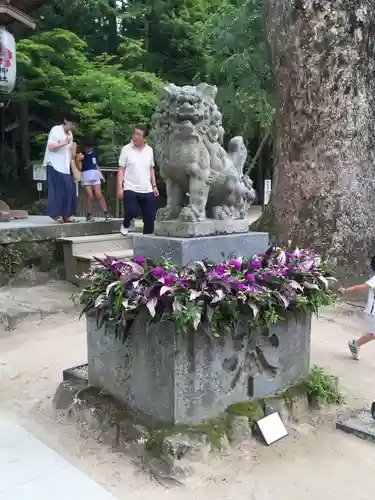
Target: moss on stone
{"x": 294, "y": 392}
{"x": 44, "y": 255}
{"x": 318, "y": 384}
{"x": 214, "y": 429}
{"x": 253, "y": 410}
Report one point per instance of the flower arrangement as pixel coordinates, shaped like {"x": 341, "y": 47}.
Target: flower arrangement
{"x": 255, "y": 290}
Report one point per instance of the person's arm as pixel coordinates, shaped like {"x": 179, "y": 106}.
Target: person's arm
{"x": 121, "y": 173}
{"x": 360, "y": 288}
{"x": 74, "y": 150}
{"x": 54, "y": 144}
{"x": 356, "y": 288}
{"x": 102, "y": 178}
{"x": 152, "y": 175}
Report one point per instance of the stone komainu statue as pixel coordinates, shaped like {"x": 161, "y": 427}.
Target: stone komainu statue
{"x": 202, "y": 179}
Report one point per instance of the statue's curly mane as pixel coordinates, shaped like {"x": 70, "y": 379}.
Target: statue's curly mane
{"x": 182, "y": 107}
{"x": 188, "y": 136}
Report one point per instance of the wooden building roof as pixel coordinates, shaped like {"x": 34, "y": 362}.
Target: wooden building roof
{"x": 16, "y": 12}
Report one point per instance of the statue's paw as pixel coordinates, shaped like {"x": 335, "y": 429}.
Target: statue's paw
{"x": 188, "y": 215}
{"x": 250, "y": 195}
{"x": 165, "y": 213}
{"x": 219, "y": 213}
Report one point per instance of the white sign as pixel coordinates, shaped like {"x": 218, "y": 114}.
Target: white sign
{"x": 267, "y": 191}
{"x": 8, "y": 69}
{"x": 39, "y": 173}
{"x": 39, "y": 186}
{"x": 272, "y": 428}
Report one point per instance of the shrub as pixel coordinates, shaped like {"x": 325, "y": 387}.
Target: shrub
{"x": 254, "y": 290}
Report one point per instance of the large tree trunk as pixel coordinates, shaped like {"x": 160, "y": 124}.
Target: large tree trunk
{"x": 324, "y": 180}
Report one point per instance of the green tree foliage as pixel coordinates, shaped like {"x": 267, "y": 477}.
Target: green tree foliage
{"x": 56, "y": 74}
{"x": 108, "y": 58}
{"x": 172, "y": 34}
{"x": 239, "y": 64}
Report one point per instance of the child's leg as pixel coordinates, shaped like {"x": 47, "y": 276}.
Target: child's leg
{"x": 354, "y": 345}
{"x": 99, "y": 196}
{"x": 90, "y": 197}
{"x": 365, "y": 339}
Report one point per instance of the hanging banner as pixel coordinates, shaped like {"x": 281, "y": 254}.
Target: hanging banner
{"x": 7, "y": 62}
{"x": 267, "y": 191}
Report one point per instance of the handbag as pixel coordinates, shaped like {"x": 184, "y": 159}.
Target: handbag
{"x": 76, "y": 172}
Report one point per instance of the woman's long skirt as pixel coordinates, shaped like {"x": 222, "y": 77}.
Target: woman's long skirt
{"x": 62, "y": 200}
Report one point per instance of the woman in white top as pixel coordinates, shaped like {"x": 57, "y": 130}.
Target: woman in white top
{"x": 61, "y": 187}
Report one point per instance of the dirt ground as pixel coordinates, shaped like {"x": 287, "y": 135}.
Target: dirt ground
{"x": 314, "y": 461}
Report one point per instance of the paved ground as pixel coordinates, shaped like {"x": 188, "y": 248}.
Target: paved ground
{"x": 315, "y": 461}
{"x": 30, "y": 470}
{"x": 34, "y": 221}
{"x": 19, "y": 304}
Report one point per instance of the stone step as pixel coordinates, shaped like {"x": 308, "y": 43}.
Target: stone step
{"x": 79, "y": 251}
{"x": 126, "y": 253}
{"x": 98, "y": 243}
{"x": 85, "y": 260}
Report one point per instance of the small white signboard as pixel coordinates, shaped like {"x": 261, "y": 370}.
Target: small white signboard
{"x": 272, "y": 428}
{"x": 39, "y": 173}
{"x": 39, "y": 186}
{"x": 267, "y": 191}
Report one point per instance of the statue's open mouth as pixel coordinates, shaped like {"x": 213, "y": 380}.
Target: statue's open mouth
{"x": 186, "y": 118}
{"x": 187, "y": 112}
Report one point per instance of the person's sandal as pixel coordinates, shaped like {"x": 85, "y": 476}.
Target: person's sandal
{"x": 68, "y": 220}
{"x": 59, "y": 220}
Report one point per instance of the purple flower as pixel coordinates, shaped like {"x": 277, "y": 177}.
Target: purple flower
{"x": 255, "y": 264}
{"x": 220, "y": 270}
{"x": 169, "y": 280}
{"x": 236, "y": 263}
{"x": 139, "y": 260}
{"x": 158, "y": 272}
{"x": 183, "y": 283}
{"x": 266, "y": 276}
{"x": 250, "y": 277}
{"x": 242, "y": 287}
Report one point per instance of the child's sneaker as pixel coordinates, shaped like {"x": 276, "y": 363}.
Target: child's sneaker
{"x": 90, "y": 218}
{"x": 107, "y": 217}
{"x": 354, "y": 349}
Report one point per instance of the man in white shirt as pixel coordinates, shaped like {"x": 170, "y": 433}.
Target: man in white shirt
{"x": 136, "y": 183}
{"x": 57, "y": 159}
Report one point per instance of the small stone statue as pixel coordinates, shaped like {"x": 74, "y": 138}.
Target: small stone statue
{"x": 202, "y": 179}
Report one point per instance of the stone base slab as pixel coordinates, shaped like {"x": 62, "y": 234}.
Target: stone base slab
{"x": 208, "y": 227}
{"x": 182, "y": 251}
{"x": 361, "y": 424}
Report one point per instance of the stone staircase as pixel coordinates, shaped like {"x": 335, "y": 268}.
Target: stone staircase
{"x": 82, "y": 251}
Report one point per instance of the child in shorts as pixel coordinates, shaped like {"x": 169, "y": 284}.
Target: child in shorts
{"x": 369, "y": 286}
{"x": 91, "y": 180}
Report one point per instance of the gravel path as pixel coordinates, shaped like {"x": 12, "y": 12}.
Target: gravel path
{"x": 31, "y": 364}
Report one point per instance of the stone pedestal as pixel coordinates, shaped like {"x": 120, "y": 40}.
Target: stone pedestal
{"x": 187, "y": 379}
{"x": 181, "y": 251}
{"x": 208, "y": 227}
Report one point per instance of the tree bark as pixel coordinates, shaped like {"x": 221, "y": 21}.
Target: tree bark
{"x": 323, "y": 187}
